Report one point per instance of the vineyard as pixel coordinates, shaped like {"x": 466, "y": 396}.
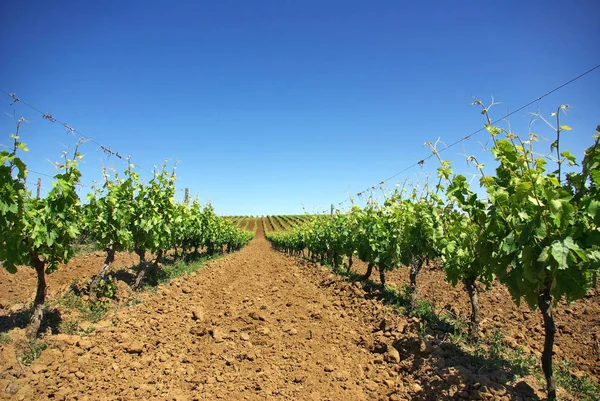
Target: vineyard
{"x": 536, "y": 232}
{"x": 482, "y": 291}
{"x": 121, "y": 214}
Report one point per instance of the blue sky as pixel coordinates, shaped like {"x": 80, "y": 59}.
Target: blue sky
{"x": 272, "y": 106}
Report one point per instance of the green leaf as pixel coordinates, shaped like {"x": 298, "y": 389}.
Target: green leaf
{"x": 523, "y": 189}
{"x": 22, "y": 146}
{"x": 567, "y": 155}
{"x": 593, "y": 208}
{"x": 560, "y": 253}
{"x": 595, "y": 176}
{"x": 544, "y": 255}
{"x": 534, "y": 201}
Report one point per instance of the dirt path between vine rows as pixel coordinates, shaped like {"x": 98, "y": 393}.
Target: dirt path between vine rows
{"x": 276, "y": 225}
{"x": 268, "y": 224}
{"x": 251, "y": 224}
{"x": 18, "y": 289}
{"x": 253, "y": 325}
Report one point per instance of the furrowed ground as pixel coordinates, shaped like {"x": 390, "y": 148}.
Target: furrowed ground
{"x": 18, "y": 289}
{"x": 256, "y": 324}
{"x": 578, "y": 334}
{"x": 248, "y": 326}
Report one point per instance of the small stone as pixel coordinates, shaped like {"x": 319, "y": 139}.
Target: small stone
{"x": 85, "y": 343}
{"x": 79, "y": 375}
{"x": 198, "y": 314}
{"x": 525, "y": 389}
{"x": 328, "y": 368}
{"x": 12, "y": 388}
{"x": 416, "y": 388}
{"x": 65, "y": 338}
{"x": 401, "y": 327}
{"x": 380, "y": 347}
{"x": 390, "y": 383}
{"x": 370, "y": 385}
{"x": 293, "y": 332}
{"x": 392, "y": 355}
{"x": 136, "y": 347}
{"x": 496, "y": 389}
{"x": 256, "y": 316}
{"x": 244, "y": 337}
{"x": 38, "y": 368}
{"x": 186, "y": 290}
{"x": 217, "y": 335}
{"x": 425, "y": 347}
{"x": 384, "y": 324}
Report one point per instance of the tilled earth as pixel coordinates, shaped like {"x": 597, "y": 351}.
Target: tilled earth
{"x": 578, "y": 324}
{"x": 19, "y": 288}
{"x": 253, "y": 325}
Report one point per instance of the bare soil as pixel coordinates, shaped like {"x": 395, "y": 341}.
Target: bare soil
{"x": 252, "y": 223}
{"x": 259, "y": 325}
{"x": 578, "y": 324}
{"x": 284, "y": 224}
{"x": 276, "y": 225}
{"x": 19, "y": 288}
{"x": 268, "y": 225}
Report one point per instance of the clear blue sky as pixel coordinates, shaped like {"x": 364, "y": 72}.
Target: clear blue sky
{"x": 271, "y": 105}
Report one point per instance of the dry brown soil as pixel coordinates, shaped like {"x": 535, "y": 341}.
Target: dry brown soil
{"x": 268, "y": 225}
{"x": 276, "y": 225}
{"x": 20, "y": 287}
{"x": 253, "y": 325}
{"x": 285, "y": 224}
{"x": 578, "y": 324}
